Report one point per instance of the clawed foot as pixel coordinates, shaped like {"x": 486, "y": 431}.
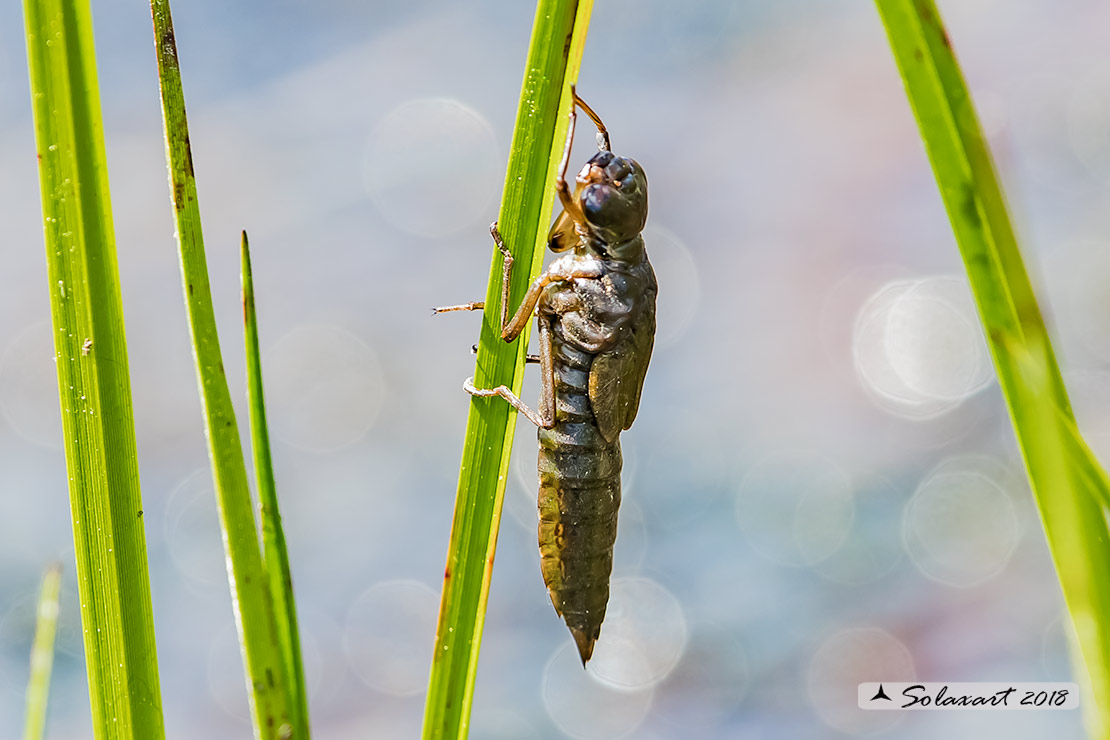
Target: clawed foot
{"x": 496, "y": 234}
{"x": 468, "y": 386}
{"x": 472, "y": 306}
{"x": 508, "y": 395}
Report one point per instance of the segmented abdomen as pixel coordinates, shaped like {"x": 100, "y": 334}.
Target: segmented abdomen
{"x": 580, "y": 491}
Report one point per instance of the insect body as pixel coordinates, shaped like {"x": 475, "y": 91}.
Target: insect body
{"x": 595, "y": 310}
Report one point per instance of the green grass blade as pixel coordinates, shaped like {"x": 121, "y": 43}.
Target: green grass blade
{"x": 93, "y": 383}
{"x": 1067, "y": 482}
{"x": 42, "y": 654}
{"x": 267, "y": 683}
{"x": 275, "y": 556}
{"x": 554, "y": 56}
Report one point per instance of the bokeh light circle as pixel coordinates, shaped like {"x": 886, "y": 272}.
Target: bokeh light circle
{"x": 873, "y": 546}
{"x": 191, "y": 524}
{"x": 917, "y": 347}
{"x": 709, "y": 683}
{"x": 846, "y": 659}
{"x": 1056, "y": 640}
{"x": 385, "y": 637}
{"x": 501, "y": 724}
{"x": 795, "y": 508}
{"x": 644, "y": 634}
{"x": 324, "y": 388}
{"x": 934, "y": 342}
{"x": 432, "y": 166}
{"x": 632, "y": 538}
{"x": 585, "y": 708}
{"x": 961, "y": 526}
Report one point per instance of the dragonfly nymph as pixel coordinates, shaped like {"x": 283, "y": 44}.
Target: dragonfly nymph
{"x": 595, "y": 312}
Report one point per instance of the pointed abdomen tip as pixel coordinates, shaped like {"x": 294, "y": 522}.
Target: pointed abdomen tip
{"x": 585, "y": 644}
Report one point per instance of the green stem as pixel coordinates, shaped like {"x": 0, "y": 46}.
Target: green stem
{"x": 267, "y": 682}
{"x": 42, "y": 654}
{"x": 1068, "y": 484}
{"x": 554, "y": 56}
{"x": 93, "y": 382}
{"x": 275, "y": 555}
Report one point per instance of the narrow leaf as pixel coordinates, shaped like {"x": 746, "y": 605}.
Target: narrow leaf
{"x": 275, "y": 555}
{"x": 93, "y": 384}
{"x": 554, "y": 56}
{"x": 1068, "y": 484}
{"x": 42, "y": 654}
{"x": 267, "y": 682}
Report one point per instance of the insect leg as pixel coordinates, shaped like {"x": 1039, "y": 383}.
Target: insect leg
{"x": 514, "y": 326}
{"x": 545, "y": 417}
{"x": 602, "y": 132}
{"x": 547, "y": 374}
{"x": 508, "y": 395}
{"x": 511, "y": 327}
{"x": 472, "y": 306}
{"x": 570, "y": 205}
{"x": 506, "y": 273}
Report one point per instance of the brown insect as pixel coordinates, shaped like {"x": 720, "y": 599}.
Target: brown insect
{"x": 595, "y": 310}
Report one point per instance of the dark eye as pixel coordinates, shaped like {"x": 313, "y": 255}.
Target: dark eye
{"x": 601, "y": 159}
{"x": 619, "y": 169}
{"x": 594, "y": 199}
{"x": 617, "y": 213}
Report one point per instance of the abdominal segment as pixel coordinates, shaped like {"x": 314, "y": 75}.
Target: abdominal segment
{"x": 578, "y": 501}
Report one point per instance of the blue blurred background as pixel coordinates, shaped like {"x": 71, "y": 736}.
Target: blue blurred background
{"x": 821, "y": 488}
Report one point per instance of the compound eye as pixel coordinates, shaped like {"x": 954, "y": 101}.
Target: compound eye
{"x": 601, "y": 159}
{"x": 594, "y": 199}
{"x": 619, "y": 169}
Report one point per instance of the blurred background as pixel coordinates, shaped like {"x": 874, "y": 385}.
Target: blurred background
{"x": 822, "y": 486}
